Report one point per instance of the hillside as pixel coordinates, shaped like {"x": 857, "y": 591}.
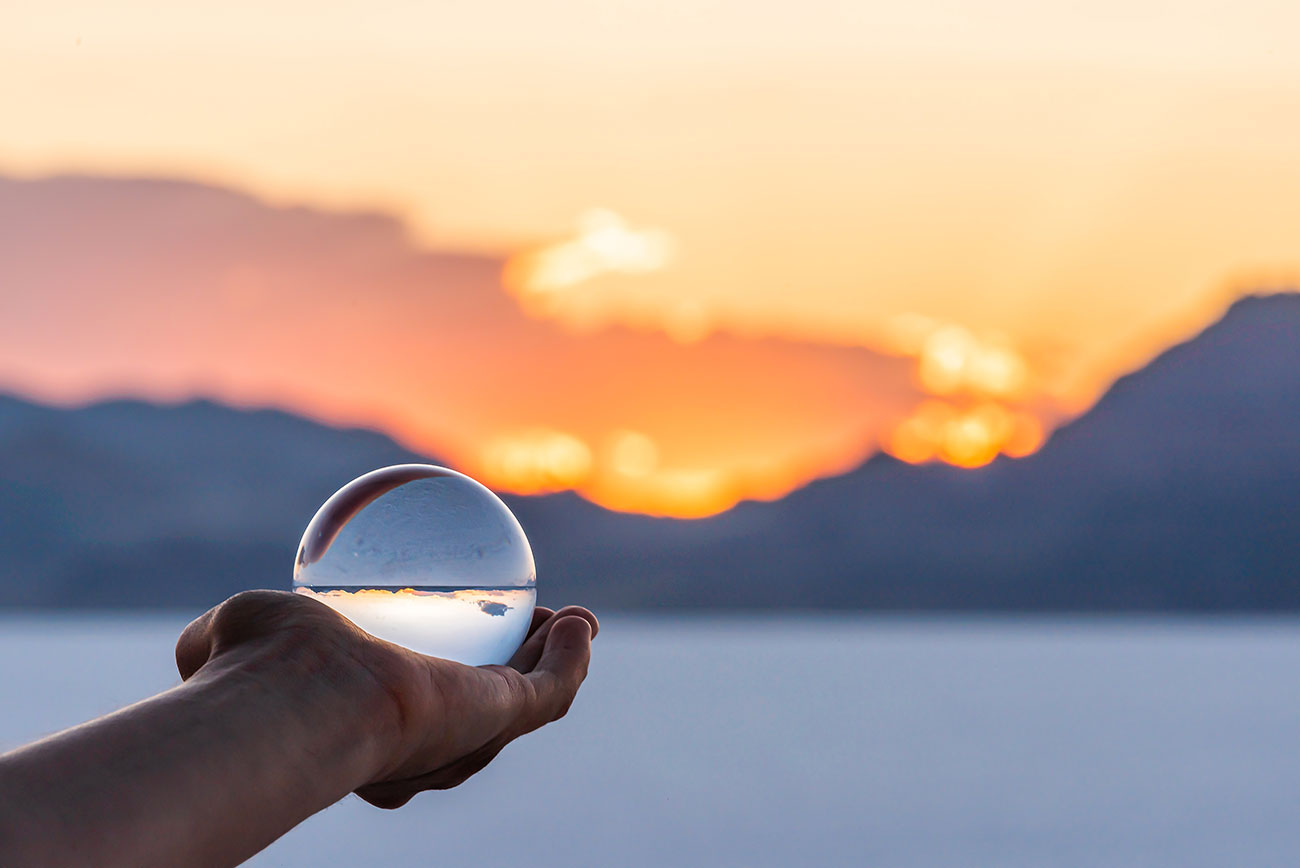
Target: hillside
{"x": 1179, "y": 490}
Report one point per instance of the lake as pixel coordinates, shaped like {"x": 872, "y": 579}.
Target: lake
{"x": 815, "y": 741}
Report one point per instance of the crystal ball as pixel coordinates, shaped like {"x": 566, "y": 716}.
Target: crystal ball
{"x": 424, "y": 557}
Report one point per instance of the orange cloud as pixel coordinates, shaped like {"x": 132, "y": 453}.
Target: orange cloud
{"x": 969, "y": 437}
{"x": 560, "y": 281}
{"x": 603, "y": 244}
{"x": 985, "y": 384}
{"x": 166, "y": 290}
{"x": 535, "y": 460}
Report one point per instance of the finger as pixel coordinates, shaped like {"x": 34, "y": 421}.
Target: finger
{"x": 194, "y": 647}
{"x": 561, "y": 670}
{"x": 522, "y": 658}
{"x": 394, "y": 794}
{"x": 540, "y": 615}
{"x": 531, "y": 651}
{"x": 452, "y": 775}
{"x": 387, "y": 796}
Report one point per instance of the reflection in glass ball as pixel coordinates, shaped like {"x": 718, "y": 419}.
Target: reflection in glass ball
{"x": 424, "y": 557}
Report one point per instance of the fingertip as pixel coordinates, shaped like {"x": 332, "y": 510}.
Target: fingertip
{"x": 562, "y": 668}
{"x": 567, "y": 650}
{"x": 583, "y": 613}
{"x": 571, "y": 631}
{"x": 539, "y": 634}
{"x": 385, "y": 796}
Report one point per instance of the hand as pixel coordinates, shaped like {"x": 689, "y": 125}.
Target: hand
{"x": 440, "y": 721}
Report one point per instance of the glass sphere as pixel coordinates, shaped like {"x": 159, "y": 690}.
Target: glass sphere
{"x": 424, "y": 557}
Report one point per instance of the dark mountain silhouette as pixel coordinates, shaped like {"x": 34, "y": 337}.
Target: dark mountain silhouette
{"x": 1179, "y": 490}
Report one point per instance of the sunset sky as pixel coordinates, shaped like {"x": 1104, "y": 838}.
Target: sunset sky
{"x": 672, "y": 254}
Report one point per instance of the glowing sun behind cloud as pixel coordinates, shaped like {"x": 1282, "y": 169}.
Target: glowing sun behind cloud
{"x": 167, "y": 290}
{"x": 825, "y": 228}
{"x": 983, "y": 378}
{"x": 604, "y": 244}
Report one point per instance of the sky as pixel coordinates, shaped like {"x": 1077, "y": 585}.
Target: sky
{"x": 700, "y": 251}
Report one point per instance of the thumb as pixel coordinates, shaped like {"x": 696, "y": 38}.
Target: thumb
{"x": 563, "y": 666}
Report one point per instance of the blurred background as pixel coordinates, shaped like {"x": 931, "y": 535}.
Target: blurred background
{"x": 913, "y": 389}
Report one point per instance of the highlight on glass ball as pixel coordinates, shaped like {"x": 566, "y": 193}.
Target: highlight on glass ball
{"x": 424, "y": 557}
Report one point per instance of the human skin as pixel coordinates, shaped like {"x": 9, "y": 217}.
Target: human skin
{"x": 286, "y": 707}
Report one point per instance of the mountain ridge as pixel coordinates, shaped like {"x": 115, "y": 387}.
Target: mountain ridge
{"x": 1175, "y": 492}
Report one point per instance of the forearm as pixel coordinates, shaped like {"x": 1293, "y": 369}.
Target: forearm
{"x": 287, "y": 708}
{"x": 207, "y": 773}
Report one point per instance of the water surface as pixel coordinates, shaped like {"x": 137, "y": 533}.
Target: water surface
{"x": 806, "y": 741}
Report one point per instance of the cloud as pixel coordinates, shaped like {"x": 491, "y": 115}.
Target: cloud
{"x": 167, "y": 289}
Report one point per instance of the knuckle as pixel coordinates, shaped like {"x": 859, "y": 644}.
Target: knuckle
{"x": 518, "y": 689}
{"x": 250, "y": 614}
{"x": 508, "y": 690}
{"x": 242, "y": 607}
